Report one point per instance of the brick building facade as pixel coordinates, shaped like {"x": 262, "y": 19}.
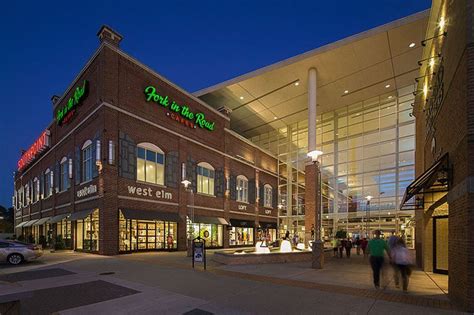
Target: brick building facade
{"x": 444, "y": 164}
{"x": 109, "y": 178}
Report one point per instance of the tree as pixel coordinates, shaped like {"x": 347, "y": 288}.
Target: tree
{"x": 6, "y": 220}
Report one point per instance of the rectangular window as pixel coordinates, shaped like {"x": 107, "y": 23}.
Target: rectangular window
{"x": 47, "y": 184}
{"x": 205, "y": 180}
{"x": 87, "y": 163}
{"x": 150, "y": 166}
{"x": 242, "y": 189}
{"x": 63, "y": 174}
{"x": 267, "y": 200}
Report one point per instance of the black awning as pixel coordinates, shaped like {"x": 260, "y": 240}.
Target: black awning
{"x": 242, "y": 223}
{"x": 150, "y": 215}
{"x": 434, "y": 179}
{"x": 210, "y": 220}
{"x": 58, "y": 218}
{"x": 268, "y": 225}
{"x": 42, "y": 221}
{"x": 80, "y": 215}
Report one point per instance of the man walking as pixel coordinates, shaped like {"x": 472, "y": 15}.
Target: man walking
{"x": 377, "y": 246}
{"x": 392, "y": 242}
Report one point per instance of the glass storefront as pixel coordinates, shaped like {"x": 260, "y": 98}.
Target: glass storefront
{"x": 136, "y": 234}
{"x": 368, "y": 150}
{"x": 64, "y": 233}
{"x": 240, "y": 236}
{"x": 212, "y": 233}
{"x": 87, "y": 232}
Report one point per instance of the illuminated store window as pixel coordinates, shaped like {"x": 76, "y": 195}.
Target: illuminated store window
{"x": 241, "y": 236}
{"x": 205, "y": 178}
{"x": 63, "y": 174}
{"x": 146, "y": 235}
{"x": 267, "y": 196}
{"x": 64, "y": 233}
{"x": 87, "y": 161}
{"x": 242, "y": 188}
{"x": 87, "y": 232}
{"x": 211, "y": 233}
{"x": 47, "y": 190}
{"x": 150, "y": 164}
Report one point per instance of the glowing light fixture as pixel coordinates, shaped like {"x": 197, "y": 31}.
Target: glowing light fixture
{"x": 314, "y": 154}
{"x": 432, "y": 63}
{"x": 387, "y": 86}
{"x": 390, "y": 97}
{"x": 369, "y": 198}
{"x": 241, "y": 97}
{"x": 346, "y": 91}
{"x": 412, "y": 45}
{"x": 297, "y": 83}
{"x": 275, "y": 117}
{"x": 442, "y": 23}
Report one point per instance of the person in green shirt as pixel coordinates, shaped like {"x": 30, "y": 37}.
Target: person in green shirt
{"x": 377, "y": 247}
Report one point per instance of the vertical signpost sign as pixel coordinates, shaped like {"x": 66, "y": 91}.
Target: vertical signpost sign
{"x": 199, "y": 251}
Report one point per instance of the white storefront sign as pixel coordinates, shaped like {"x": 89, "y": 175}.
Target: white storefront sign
{"x": 149, "y": 192}
{"x": 86, "y": 191}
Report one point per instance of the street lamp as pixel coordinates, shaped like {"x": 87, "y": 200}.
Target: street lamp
{"x": 367, "y": 216}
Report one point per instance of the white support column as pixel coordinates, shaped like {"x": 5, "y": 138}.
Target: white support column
{"x": 312, "y": 97}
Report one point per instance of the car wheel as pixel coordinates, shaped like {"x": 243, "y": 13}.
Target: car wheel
{"x": 15, "y": 259}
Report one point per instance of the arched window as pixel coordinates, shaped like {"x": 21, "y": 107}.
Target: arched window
{"x": 87, "y": 161}
{"x": 205, "y": 178}
{"x": 35, "y": 190}
{"x": 267, "y": 195}
{"x": 242, "y": 189}
{"x": 150, "y": 164}
{"x": 47, "y": 190}
{"x": 63, "y": 174}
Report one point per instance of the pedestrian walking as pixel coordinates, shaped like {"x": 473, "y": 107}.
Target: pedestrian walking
{"x": 392, "y": 242}
{"x": 357, "y": 245}
{"x": 348, "y": 247}
{"x": 341, "y": 245}
{"x": 334, "y": 247}
{"x": 377, "y": 247}
{"x": 363, "y": 246}
{"x": 402, "y": 261}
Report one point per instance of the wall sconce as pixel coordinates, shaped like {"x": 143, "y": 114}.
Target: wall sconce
{"x": 97, "y": 151}
{"x": 70, "y": 169}
{"x": 423, "y": 42}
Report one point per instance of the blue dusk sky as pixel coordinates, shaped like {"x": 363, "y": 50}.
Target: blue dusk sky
{"x": 196, "y": 44}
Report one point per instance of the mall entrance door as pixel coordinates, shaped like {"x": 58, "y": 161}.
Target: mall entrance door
{"x": 440, "y": 244}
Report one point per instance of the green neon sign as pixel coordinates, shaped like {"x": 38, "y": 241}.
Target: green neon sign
{"x": 65, "y": 113}
{"x": 199, "y": 119}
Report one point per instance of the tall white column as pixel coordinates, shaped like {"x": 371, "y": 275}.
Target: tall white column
{"x": 312, "y": 97}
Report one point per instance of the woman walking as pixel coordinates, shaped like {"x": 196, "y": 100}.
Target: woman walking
{"x": 402, "y": 261}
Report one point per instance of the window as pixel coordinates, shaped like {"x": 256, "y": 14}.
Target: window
{"x": 242, "y": 188}
{"x": 47, "y": 183}
{"x": 87, "y": 161}
{"x": 87, "y": 232}
{"x": 267, "y": 196}
{"x": 241, "y": 236}
{"x": 35, "y": 190}
{"x": 205, "y": 179}
{"x": 150, "y": 164}
{"x": 63, "y": 174}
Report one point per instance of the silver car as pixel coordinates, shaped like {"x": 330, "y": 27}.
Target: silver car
{"x": 15, "y": 252}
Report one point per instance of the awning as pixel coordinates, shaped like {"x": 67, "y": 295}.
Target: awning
{"x": 29, "y": 223}
{"x": 242, "y": 223}
{"x": 434, "y": 179}
{"x": 42, "y": 221}
{"x": 80, "y": 215}
{"x": 59, "y": 217}
{"x": 150, "y": 215}
{"x": 21, "y": 224}
{"x": 268, "y": 225}
{"x": 210, "y": 220}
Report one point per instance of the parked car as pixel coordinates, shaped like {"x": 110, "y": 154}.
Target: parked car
{"x": 15, "y": 252}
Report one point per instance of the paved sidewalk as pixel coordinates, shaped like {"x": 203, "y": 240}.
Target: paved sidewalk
{"x": 166, "y": 284}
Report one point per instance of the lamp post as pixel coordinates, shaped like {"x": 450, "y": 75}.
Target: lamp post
{"x": 367, "y": 217}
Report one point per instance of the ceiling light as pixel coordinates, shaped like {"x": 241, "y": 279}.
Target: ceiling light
{"x": 346, "y": 91}
{"x": 432, "y": 63}
{"x": 241, "y": 97}
{"x": 390, "y": 97}
{"x": 387, "y": 86}
{"x": 275, "y": 117}
{"x": 412, "y": 45}
{"x": 297, "y": 83}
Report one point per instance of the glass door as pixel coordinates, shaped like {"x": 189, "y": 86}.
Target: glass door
{"x": 440, "y": 244}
